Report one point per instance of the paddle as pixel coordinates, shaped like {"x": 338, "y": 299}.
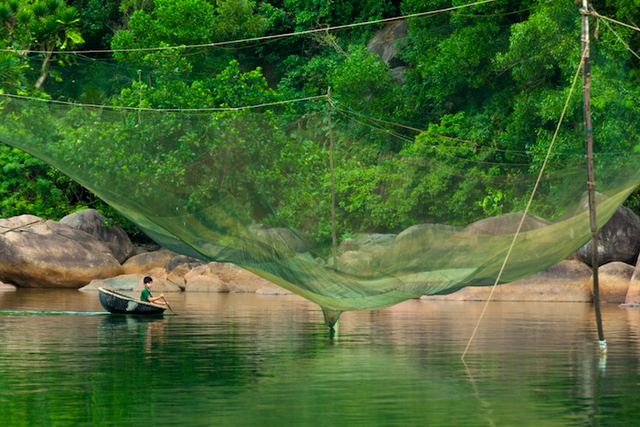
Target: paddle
{"x": 168, "y": 306}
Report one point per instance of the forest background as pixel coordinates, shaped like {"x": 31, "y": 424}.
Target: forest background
{"x": 495, "y": 75}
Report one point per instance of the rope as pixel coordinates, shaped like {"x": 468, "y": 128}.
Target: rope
{"x": 272, "y": 37}
{"x": 535, "y": 187}
{"x": 597, "y": 15}
{"x": 620, "y": 39}
{"x": 75, "y": 104}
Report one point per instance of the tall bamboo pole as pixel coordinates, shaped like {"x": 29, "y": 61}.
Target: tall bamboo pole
{"x": 586, "y": 87}
{"x": 333, "y": 184}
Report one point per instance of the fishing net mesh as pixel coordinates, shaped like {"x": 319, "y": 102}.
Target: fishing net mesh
{"x": 413, "y": 213}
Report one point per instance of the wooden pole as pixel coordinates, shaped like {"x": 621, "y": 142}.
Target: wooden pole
{"x": 586, "y": 87}
{"x": 333, "y": 184}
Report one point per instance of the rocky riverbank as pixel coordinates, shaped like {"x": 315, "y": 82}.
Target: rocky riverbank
{"x": 84, "y": 251}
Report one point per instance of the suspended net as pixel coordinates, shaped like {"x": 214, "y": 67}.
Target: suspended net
{"x": 410, "y": 212}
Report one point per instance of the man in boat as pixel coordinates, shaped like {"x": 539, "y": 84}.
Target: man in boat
{"x": 146, "y": 296}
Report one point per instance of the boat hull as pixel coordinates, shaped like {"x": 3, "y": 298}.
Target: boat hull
{"x": 118, "y": 303}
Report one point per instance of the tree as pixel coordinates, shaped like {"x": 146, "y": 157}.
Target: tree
{"x": 184, "y": 23}
{"x": 44, "y": 26}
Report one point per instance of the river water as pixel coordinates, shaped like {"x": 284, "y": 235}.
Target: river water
{"x": 251, "y": 360}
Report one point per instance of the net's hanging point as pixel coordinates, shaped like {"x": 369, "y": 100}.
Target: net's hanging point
{"x": 331, "y": 317}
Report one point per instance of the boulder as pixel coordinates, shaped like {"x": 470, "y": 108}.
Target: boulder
{"x": 159, "y": 286}
{"x": 285, "y": 241}
{"x": 176, "y": 276}
{"x": 388, "y": 41}
{"x": 36, "y": 253}
{"x": 271, "y": 289}
{"x": 372, "y": 242}
{"x": 421, "y": 232}
{"x": 200, "y": 283}
{"x": 368, "y": 251}
{"x": 4, "y": 287}
{"x": 357, "y": 263}
{"x": 413, "y": 246}
{"x": 347, "y": 245}
{"x": 397, "y": 73}
{"x": 633, "y": 294}
{"x": 94, "y": 223}
{"x": 180, "y": 260}
{"x": 614, "y": 279}
{"x": 582, "y": 206}
{"x": 234, "y": 278}
{"x": 618, "y": 240}
{"x": 122, "y": 283}
{"x": 567, "y": 281}
{"x": 506, "y": 224}
{"x": 158, "y": 272}
{"x": 143, "y": 263}
{"x": 376, "y": 245}
{"x": 178, "y": 267}
{"x": 145, "y": 248}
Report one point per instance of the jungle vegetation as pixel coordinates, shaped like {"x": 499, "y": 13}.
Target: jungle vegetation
{"x": 496, "y": 74}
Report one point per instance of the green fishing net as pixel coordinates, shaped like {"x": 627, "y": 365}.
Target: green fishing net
{"x": 409, "y": 212}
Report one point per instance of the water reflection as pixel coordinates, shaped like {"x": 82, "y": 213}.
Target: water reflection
{"x": 247, "y": 359}
{"x": 119, "y": 329}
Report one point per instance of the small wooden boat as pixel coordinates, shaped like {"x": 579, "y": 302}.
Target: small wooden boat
{"x": 115, "y": 302}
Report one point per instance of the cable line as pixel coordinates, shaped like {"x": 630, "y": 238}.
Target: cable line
{"x": 620, "y": 38}
{"x": 118, "y": 107}
{"x": 597, "y": 15}
{"x": 272, "y": 37}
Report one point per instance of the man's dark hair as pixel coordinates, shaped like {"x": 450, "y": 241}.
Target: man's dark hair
{"x": 147, "y": 279}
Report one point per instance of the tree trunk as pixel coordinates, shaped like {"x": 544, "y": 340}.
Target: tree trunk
{"x": 45, "y": 70}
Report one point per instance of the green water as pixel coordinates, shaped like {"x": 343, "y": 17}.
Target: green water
{"x": 244, "y": 359}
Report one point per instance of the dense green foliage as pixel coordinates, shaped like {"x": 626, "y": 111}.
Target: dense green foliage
{"x": 487, "y": 85}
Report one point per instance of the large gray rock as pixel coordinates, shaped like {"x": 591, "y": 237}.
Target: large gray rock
{"x": 366, "y": 251}
{"x": 614, "y": 279}
{"x": 35, "y": 253}
{"x": 182, "y": 260}
{"x": 388, "y": 41}
{"x": 4, "y": 287}
{"x": 347, "y": 245}
{"x": 633, "y": 293}
{"x": 378, "y": 245}
{"x": 285, "y": 241}
{"x": 206, "y": 284}
{"x": 356, "y": 263}
{"x": 159, "y": 286}
{"x": 424, "y": 231}
{"x": 131, "y": 284}
{"x": 618, "y": 240}
{"x": 506, "y": 224}
{"x": 178, "y": 267}
{"x": 223, "y": 277}
{"x": 113, "y": 236}
{"x": 567, "y": 281}
{"x": 122, "y": 283}
{"x": 145, "y": 262}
